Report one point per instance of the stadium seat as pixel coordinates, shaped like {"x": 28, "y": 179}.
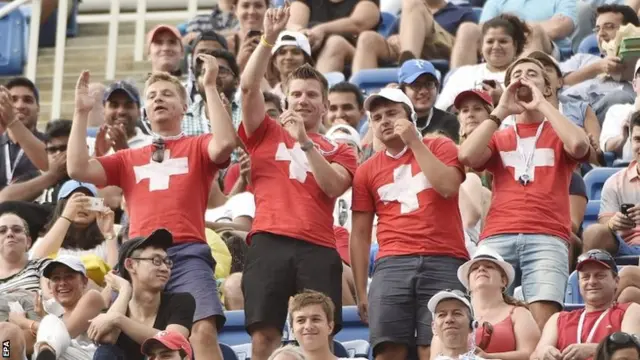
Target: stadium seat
{"x": 619, "y": 163}
{"x": 243, "y": 352}
{"x": 339, "y": 350}
{"x": 373, "y": 252}
{"x": 234, "y": 332}
{"x": 571, "y": 307}
{"x": 227, "y": 352}
{"x": 352, "y": 327}
{"x": 357, "y": 348}
{"x": 477, "y": 12}
{"x": 387, "y": 24}
{"x": 12, "y": 42}
{"x": 591, "y": 213}
{"x": 625, "y": 260}
{"x": 334, "y": 77}
{"x": 372, "y": 80}
{"x": 589, "y": 45}
{"x": 594, "y": 180}
{"x": 609, "y": 158}
{"x": 48, "y": 28}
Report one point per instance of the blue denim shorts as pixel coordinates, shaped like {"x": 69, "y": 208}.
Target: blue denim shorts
{"x": 625, "y": 249}
{"x": 541, "y": 263}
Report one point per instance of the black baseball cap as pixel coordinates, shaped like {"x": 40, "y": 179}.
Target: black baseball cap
{"x": 160, "y": 238}
{"x": 210, "y": 35}
{"x": 597, "y": 256}
{"x": 122, "y": 86}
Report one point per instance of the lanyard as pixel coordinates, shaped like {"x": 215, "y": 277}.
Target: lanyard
{"x": 421, "y": 129}
{"x": 593, "y": 329}
{"x": 527, "y": 158}
{"x": 8, "y": 167}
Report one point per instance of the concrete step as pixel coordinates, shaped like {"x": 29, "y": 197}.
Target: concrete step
{"x": 76, "y": 66}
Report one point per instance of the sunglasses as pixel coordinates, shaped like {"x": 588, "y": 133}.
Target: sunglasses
{"x": 158, "y": 150}
{"x": 55, "y": 149}
{"x": 621, "y": 340}
{"x": 598, "y": 255}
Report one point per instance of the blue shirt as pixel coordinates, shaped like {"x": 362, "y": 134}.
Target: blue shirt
{"x": 451, "y": 16}
{"x": 532, "y": 10}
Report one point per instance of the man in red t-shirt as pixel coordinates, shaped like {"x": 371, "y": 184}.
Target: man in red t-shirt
{"x": 412, "y": 187}
{"x": 166, "y": 185}
{"x": 575, "y": 334}
{"x": 528, "y": 222}
{"x": 296, "y": 175}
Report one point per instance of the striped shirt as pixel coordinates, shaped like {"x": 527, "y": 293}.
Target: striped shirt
{"x": 26, "y": 279}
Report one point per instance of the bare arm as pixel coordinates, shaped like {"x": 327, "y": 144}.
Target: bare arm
{"x": 577, "y": 208}
{"x": 558, "y": 27}
{"x": 631, "y": 320}
{"x": 300, "y": 15}
{"x": 89, "y": 306}
{"x": 119, "y": 306}
{"x": 470, "y": 200}
{"x": 445, "y": 179}
{"x": 33, "y": 147}
{"x": 591, "y": 124}
{"x": 575, "y": 141}
{"x": 474, "y": 151}
{"x": 548, "y": 339}
{"x": 52, "y": 240}
{"x": 364, "y": 17}
{"x": 527, "y": 335}
{"x": 359, "y": 249}
{"x": 250, "y": 81}
{"x": 585, "y": 73}
{"x": 28, "y": 190}
{"x": 216, "y": 196}
{"x": 239, "y": 187}
{"x": 140, "y": 332}
{"x": 332, "y": 178}
{"x": 224, "y": 139}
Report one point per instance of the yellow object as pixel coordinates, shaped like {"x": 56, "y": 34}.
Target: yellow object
{"x": 95, "y": 266}
{"x": 220, "y": 253}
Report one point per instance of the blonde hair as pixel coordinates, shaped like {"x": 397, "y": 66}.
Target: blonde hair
{"x": 309, "y": 298}
{"x": 291, "y": 350}
{"x": 158, "y": 76}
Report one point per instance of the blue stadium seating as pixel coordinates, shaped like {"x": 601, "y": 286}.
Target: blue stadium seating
{"x": 571, "y": 307}
{"x": 357, "y": 348}
{"x": 591, "y": 213}
{"x": 334, "y": 77}
{"x": 372, "y": 80}
{"x": 233, "y": 332}
{"x": 572, "y": 294}
{"x": 477, "y": 12}
{"x": 352, "y": 327}
{"x": 387, "y": 24}
{"x": 627, "y": 260}
{"x": 589, "y": 45}
{"x": 619, "y": 163}
{"x": 48, "y": 28}
{"x": 227, "y": 352}
{"x": 609, "y": 158}
{"x": 339, "y": 350}
{"x": 243, "y": 352}
{"x": 594, "y": 180}
{"x": 12, "y": 42}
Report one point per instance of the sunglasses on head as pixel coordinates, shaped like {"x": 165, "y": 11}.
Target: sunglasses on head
{"x": 158, "y": 150}
{"x": 620, "y": 340}
{"x": 597, "y": 255}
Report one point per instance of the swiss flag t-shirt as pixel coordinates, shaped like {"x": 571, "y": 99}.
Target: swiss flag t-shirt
{"x": 171, "y": 194}
{"x": 542, "y": 206}
{"x": 413, "y": 218}
{"x": 289, "y": 201}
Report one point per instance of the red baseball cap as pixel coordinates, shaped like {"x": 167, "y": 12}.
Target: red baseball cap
{"x": 483, "y": 95}
{"x": 169, "y": 339}
{"x": 163, "y": 28}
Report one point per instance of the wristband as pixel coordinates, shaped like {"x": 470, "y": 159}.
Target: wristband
{"x": 264, "y": 42}
{"x": 307, "y": 146}
{"x": 495, "y": 119}
{"x": 66, "y": 218}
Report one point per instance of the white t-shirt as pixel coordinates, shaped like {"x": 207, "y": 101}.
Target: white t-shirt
{"x": 612, "y": 127}
{"x": 242, "y": 204}
{"x": 466, "y": 78}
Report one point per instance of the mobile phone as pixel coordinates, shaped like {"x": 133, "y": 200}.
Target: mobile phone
{"x": 624, "y": 209}
{"x": 254, "y": 33}
{"x": 96, "y": 204}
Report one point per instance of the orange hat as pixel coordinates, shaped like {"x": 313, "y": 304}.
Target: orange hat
{"x": 160, "y": 28}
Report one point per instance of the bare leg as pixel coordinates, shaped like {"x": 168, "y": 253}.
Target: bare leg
{"x": 467, "y": 45}
{"x": 390, "y": 351}
{"x": 542, "y": 311}
{"x": 12, "y": 334}
{"x": 598, "y": 236}
{"x": 264, "y": 341}
{"x": 232, "y": 292}
{"x": 204, "y": 339}
{"x": 538, "y": 40}
{"x": 370, "y": 48}
{"x": 335, "y": 53}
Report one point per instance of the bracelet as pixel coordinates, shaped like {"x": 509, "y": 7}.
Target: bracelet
{"x": 66, "y": 218}
{"x": 32, "y": 329}
{"x": 109, "y": 237}
{"x": 264, "y": 42}
{"x": 495, "y": 119}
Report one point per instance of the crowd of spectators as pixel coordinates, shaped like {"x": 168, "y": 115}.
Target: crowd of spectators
{"x": 448, "y": 207}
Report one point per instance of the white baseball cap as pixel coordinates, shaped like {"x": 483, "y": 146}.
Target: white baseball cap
{"x": 447, "y": 295}
{"x": 292, "y": 38}
{"x": 337, "y": 132}
{"x": 395, "y": 95}
{"x": 72, "y": 262}
{"x": 485, "y": 253}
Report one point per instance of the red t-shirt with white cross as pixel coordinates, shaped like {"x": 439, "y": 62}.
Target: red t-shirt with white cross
{"x": 540, "y": 207}
{"x": 413, "y": 219}
{"x": 171, "y": 194}
{"x": 289, "y": 201}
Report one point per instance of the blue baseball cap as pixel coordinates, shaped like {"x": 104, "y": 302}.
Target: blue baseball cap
{"x": 412, "y": 69}
{"x": 72, "y": 185}
{"x": 127, "y": 87}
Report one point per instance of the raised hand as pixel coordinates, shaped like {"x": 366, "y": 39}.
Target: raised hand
{"x": 508, "y": 104}
{"x": 275, "y": 20}
{"x": 294, "y": 124}
{"x": 84, "y": 100}
{"x": 76, "y": 203}
{"x": 102, "y": 144}
{"x": 209, "y": 69}
{"x": 105, "y": 221}
{"x": 7, "y": 111}
{"x": 537, "y": 98}
{"x": 118, "y": 136}
{"x": 58, "y": 165}
{"x": 406, "y": 130}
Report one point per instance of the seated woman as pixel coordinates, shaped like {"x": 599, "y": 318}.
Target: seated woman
{"x": 290, "y": 51}
{"x": 75, "y": 229}
{"x": 65, "y": 337}
{"x": 619, "y": 346}
{"x": 503, "y": 40}
{"x": 507, "y": 330}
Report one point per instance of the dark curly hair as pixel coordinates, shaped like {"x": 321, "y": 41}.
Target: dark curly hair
{"x": 513, "y": 26}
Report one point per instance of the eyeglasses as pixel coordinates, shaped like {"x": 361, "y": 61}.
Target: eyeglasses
{"x": 55, "y": 149}
{"x": 158, "y": 150}
{"x": 418, "y": 85}
{"x": 16, "y": 229}
{"x": 621, "y": 340}
{"x": 606, "y": 27}
{"x": 157, "y": 261}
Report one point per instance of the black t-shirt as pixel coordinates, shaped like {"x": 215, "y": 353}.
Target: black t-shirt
{"x": 175, "y": 308}
{"x": 441, "y": 121}
{"x": 17, "y": 159}
{"x": 322, "y": 11}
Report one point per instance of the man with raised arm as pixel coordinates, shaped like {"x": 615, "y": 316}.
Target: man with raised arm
{"x": 296, "y": 174}
{"x": 166, "y": 184}
{"x": 528, "y": 222}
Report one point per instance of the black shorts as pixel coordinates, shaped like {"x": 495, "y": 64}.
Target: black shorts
{"x": 278, "y": 267}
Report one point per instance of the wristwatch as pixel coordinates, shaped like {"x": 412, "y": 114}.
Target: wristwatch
{"x": 307, "y": 146}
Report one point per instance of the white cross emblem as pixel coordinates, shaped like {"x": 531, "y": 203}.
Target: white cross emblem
{"x": 160, "y": 173}
{"x": 298, "y": 163}
{"x": 541, "y": 157}
{"x": 404, "y": 189}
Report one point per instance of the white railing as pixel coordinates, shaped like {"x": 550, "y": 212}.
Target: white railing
{"x": 114, "y": 18}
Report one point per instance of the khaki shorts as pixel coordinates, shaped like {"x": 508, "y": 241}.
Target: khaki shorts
{"x": 437, "y": 44}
